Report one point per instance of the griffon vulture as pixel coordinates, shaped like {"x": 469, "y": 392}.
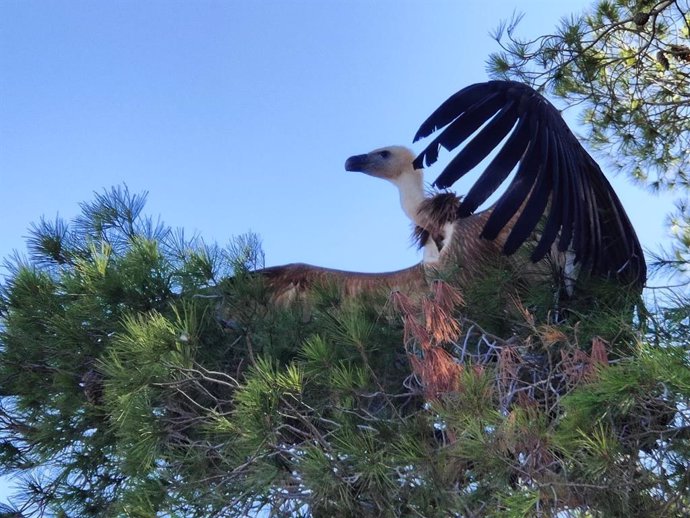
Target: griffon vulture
{"x": 559, "y": 199}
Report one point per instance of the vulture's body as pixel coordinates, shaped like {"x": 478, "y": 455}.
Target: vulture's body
{"x": 559, "y": 209}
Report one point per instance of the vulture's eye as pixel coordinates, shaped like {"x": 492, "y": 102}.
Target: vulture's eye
{"x": 385, "y": 154}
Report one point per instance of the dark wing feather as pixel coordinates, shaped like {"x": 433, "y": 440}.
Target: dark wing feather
{"x": 485, "y": 141}
{"x": 555, "y": 177}
{"x": 496, "y": 172}
{"x": 555, "y": 217}
{"x": 528, "y": 169}
{"x": 464, "y": 125}
{"x": 450, "y": 109}
{"x": 535, "y": 205}
{"x": 568, "y": 197}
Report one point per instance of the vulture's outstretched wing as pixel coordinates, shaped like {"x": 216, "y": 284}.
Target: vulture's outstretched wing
{"x": 555, "y": 175}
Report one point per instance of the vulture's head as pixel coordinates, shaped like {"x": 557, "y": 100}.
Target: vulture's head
{"x": 390, "y": 163}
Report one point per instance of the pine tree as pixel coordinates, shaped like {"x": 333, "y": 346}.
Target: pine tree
{"x": 145, "y": 374}
{"x": 625, "y": 63}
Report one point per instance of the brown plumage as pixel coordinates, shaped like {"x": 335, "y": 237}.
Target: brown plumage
{"x": 469, "y": 257}
{"x": 295, "y": 282}
{"x": 463, "y": 250}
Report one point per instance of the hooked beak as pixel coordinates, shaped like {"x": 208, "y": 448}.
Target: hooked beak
{"x": 357, "y": 163}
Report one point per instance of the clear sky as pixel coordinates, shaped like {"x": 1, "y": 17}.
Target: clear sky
{"x": 238, "y": 116}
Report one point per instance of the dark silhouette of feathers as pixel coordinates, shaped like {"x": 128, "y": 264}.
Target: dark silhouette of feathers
{"x": 556, "y": 182}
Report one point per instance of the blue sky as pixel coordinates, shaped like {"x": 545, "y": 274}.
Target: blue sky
{"x": 238, "y": 116}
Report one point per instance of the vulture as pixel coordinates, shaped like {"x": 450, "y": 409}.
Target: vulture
{"x": 559, "y": 206}
{"x": 558, "y": 209}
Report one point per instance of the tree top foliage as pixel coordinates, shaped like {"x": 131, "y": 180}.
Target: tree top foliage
{"x": 144, "y": 374}
{"x": 627, "y": 64}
